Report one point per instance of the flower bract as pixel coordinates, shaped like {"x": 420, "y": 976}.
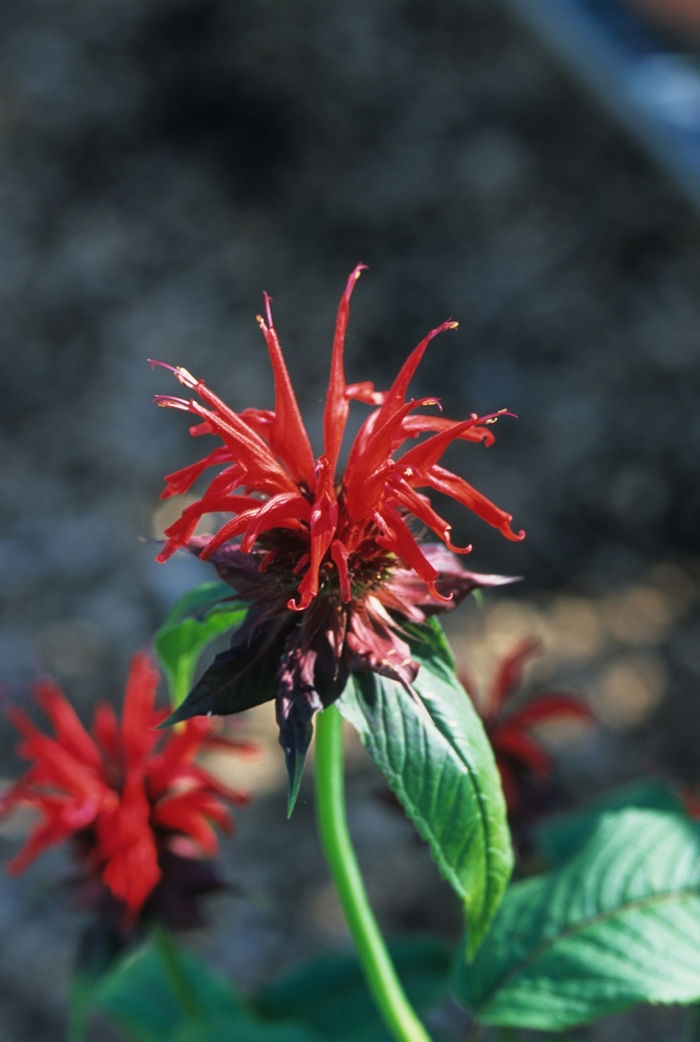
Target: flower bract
{"x": 131, "y": 797}
{"x": 332, "y": 564}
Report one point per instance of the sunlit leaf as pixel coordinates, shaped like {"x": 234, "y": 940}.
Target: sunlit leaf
{"x": 561, "y": 837}
{"x": 618, "y": 925}
{"x": 195, "y": 621}
{"x": 437, "y": 759}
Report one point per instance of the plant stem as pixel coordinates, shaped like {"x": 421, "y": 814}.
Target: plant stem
{"x": 399, "y": 1016}
{"x": 184, "y": 992}
{"x": 77, "y": 1012}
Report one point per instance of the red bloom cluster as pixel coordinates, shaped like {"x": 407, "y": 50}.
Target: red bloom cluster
{"x": 125, "y": 801}
{"x": 330, "y": 565}
{"x": 519, "y": 756}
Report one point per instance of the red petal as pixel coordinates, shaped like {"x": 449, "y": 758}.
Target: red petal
{"x": 509, "y": 784}
{"x": 288, "y": 505}
{"x": 46, "y": 834}
{"x": 186, "y": 813}
{"x": 105, "y": 729}
{"x": 421, "y": 508}
{"x": 549, "y": 707}
{"x": 286, "y": 434}
{"x": 365, "y": 392}
{"x": 509, "y": 675}
{"x": 138, "y": 716}
{"x": 425, "y": 455}
{"x": 181, "y": 480}
{"x": 127, "y": 844}
{"x": 371, "y": 451}
{"x": 396, "y": 395}
{"x": 523, "y": 749}
{"x": 337, "y": 408}
{"x": 247, "y": 447}
{"x": 324, "y": 520}
{"x": 412, "y": 426}
{"x": 398, "y": 538}
{"x": 69, "y": 731}
{"x": 451, "y": 485}
{"x": 340, "y": 558}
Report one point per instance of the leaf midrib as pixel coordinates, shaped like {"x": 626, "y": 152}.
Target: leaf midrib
{"x": 484, "y": 820}
{"x": 581, "y": 927}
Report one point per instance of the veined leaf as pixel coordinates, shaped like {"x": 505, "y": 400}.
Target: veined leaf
{"x": 437, "y": 759}
{"x": 562, "y": 836}
{"x": 140, "y": 995}
{"x": 329, "y": 994}
{"x": 616, "y": 926}
{"x": 195, "y": 621}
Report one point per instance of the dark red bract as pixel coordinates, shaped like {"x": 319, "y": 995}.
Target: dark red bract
{"x": 128, "y": 794}
{"x": 330, "y": 564}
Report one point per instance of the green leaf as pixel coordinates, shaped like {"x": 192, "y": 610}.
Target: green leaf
{"x": 195, "y": 621}
{"x": 140, "y": 995}
{"x": 618, "y": 925}
{"x": 196, "y": 603}
{"x": 437, "y": 759}
{"x": 330, "y": 996}
{"x": 243, "y": 1029}
{"x": 562, "y": 836}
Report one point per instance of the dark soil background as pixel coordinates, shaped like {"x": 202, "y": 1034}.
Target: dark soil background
{"x": 164, "y": 161}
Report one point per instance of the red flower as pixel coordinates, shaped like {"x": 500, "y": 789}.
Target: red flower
{"x": 128, "y": 803}
{"x": 520, "y": 758}
{"x": 330, "y": 564}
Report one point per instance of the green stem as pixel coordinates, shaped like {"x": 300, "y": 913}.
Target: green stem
{"x": 177, "y": 976}
{"x": 398, "y": 1014}
{"x": 77, "y": 1012}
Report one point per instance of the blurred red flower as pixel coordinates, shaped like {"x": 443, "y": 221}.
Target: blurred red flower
{"x": 130, "y": 795}
{"x": 520, "y": 757}
{"x": 330, "y": 564}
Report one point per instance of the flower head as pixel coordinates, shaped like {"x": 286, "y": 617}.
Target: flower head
{"x": 134, "y": 800}
{"x": 331, "y": 564}
{"x": 522, "y": 760}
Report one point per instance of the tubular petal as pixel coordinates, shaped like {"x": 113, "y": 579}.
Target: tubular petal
{"x": 336, "y": 412}
{"x": 287, "y": 435}
{"x": 285, "y": 507}
{"x": 324, "y": 519}
{"x": 444, "y": 481}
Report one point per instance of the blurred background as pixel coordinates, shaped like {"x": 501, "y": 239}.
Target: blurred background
{"x": 162, "y": 162}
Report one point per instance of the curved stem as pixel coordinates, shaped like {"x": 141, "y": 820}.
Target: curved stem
{"x": 176, "y": 973}
{"x": 379, "y": 971}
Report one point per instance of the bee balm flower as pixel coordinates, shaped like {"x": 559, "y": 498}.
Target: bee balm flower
{"x": 135, "y": 804}
{"x": 330, "y": 563}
